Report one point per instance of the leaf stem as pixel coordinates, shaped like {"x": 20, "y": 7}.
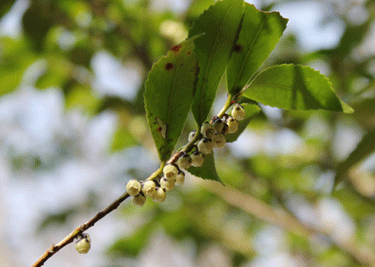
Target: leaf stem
{"x": 157, "y": 173}
{"x": 226, "y": 106}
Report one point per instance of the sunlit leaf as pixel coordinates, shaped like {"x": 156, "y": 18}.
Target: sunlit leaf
{"x": 169, "y": 94}
{"x": 295, "y": 87}
{"x": 220, "y": 23}
{"x": 260, "y": 31}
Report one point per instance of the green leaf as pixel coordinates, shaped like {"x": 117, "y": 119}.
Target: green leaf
{"x": 295, "y": 87}
{"x": 220, "y": 23}
{"x": 365, "y": 148}
{"x": 169, "y": 92}
{"x": 208, "y": 170}
{"x": 12, "y": 65}
{"x": 251, "y": 110}
{"x": 260, "y": 31}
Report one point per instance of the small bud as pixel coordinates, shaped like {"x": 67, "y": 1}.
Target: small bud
{"x": 232, "y": 125}
{"x": 219, "y": 140}
{"x": 166, "y": 184}
{"x": 139, "y": 200}
{"x": 207, "y": 130}
{"x": 133, "y": 187}
{"x": 192, "y": 135}
{"x": 170, "y": 171}
{"x": 197, "y": 159}
{"x": 205, "y": 146}
{"x": 218, "y": 125}
{"x": 238, "y": 113}
{"x": 159, "y": 195}
{"x": 184, "y": 161}
{"x": 83, "y": 243}
{"x": 180, "y": 179}
{"x": 148, "y": 188}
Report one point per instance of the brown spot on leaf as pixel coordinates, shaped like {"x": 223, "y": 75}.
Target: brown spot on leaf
{"x": 168, "y": 66}
{"x": 188, "y": 53}
{"x": 176, "y": 48}
{"x": 237, "y": 48}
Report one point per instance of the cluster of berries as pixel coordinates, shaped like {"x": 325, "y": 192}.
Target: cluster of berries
{"x": 212, "y": 136}
{"x": 155, "y": 189}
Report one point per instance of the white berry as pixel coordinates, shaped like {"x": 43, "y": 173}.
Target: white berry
{"x": 139, "y": 200}
{"x": 166, "y": 184}
{"x": 192, "y": 135}
{"x": 218, "y": 125}
{"x": 232, "y": 125}
{"x": 180, "y": 179}
{"x": 148, "y": 188}
{"x": 133, "y": 187}
{"x": 208, "y": 130}
{"x": 83, "y": 243}
{"x": 219, "y": 140}
{"x": 184, "y": 161}
{"x": 197, "y": 159}
{"x": 159, "y": 195}
{"x": 238, "y": 112}
{"x": 170, "y": 171}
{"x": 205, "y": 146}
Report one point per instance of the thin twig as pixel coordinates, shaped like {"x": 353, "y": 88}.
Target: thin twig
{"x": 79, "y": 230}
{"x": 283, "y": 219}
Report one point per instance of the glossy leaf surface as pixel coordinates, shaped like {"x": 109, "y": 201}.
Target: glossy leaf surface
{"x": 220, "y": 24}
{"x": 295, "y": 87}
{"x": 260, "y": 31}
{"x": 169, "y": 94}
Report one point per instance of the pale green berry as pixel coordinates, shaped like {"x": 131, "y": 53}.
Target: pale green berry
{"x": 219, "y": 140}
{"x": 232, "y": 125}
{"x": 218, "y": 125}
{"x": 205, "y": 146}
{"x": 184, "y": 161}
{"x": 225, "y": 129}
{"x": 207, "y": 130}
{"x": 139, "y": 200}
{"x": 83, "y": 243}
{"x": 197, "y": 159}
{"x": 166, "y": 184}
{"x": 170, "y": 171}
{"x": 238, "y": 112}
{"x": 160, "y": 195}
{"x": 192, "y": 135}
{"x": 180, "y": 179}
{"x": 133, "y": 187}
{"x": 148, "y": 188}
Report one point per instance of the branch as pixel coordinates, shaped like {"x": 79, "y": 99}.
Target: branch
{"x": 78, "y": 231}
{"x": 258, "y": 208}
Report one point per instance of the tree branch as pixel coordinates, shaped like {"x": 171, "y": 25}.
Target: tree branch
{"x": 283, "y": 219}
{"x": 78, "y": 231}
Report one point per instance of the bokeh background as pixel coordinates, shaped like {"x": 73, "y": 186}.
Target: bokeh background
{"x": 73, "y": 132}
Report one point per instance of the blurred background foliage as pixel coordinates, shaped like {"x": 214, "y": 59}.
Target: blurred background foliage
{"x": 73, "y": 132}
